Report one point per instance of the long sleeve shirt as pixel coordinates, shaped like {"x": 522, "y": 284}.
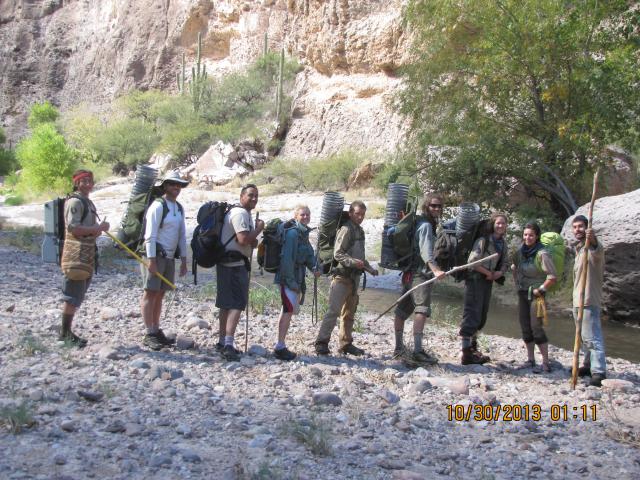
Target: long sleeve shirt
{"x": 485, "y": 246}
{"x": 170, "y": 236}
{"x": 425, "y": 240}
{"x": 595, "y": 276}
{"x": 348, "y": 248}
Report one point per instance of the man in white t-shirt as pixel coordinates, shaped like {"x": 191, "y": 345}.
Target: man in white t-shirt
{"x": 164, "y": 240}
{"x": 233, "y": 272}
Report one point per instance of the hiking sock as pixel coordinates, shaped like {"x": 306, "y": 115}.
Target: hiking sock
{"x": 417, "y": 342}
{"x": 466, "y": 342}
{"x": 152, "y": 330}
{"x": 228, "y": 340}
{"x": 399, "y": 339}
{"x": 280, "y": 346}
{"x": 66, "y": 324}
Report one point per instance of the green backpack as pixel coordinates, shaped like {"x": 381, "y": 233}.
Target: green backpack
{"x": 326, "y": 241}
{"x": 554, "y": 244}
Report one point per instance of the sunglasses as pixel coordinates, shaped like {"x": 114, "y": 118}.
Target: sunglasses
{"x": 435, "y": 205}
{"x": 173, "y": 184}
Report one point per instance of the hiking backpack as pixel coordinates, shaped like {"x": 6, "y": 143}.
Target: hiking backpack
{"x": 134, "y": 222}
{"x": 554, "y": 244}
{"x": 206, "y": 243}
{"x": 54, "y": 227}
{"x": 270, "y": 249}
{"x": 452, "y": 247}
{"x": 326, "y": 241}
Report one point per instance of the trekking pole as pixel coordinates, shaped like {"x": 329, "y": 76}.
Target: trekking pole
{"x": 583, "y": 289}
{"x": 449, "y": 272}
{"x": 139, "y": 259}
{"x": 246, "y": 313}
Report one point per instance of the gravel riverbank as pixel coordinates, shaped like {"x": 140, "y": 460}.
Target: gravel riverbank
{"x": 117, "y": 410}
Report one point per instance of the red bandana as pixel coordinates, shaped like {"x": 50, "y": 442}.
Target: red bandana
{"x": 81, "y": 175}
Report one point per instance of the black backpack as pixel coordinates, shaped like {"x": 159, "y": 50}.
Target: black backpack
{"x": 133, "y": 224}
{"x": 270, "y": 248}
{"x": 452, "y": 248}
{"x": 206, "y": 244}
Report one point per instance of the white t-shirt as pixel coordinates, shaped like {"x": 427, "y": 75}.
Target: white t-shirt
{"x": 237, "y": 220}
{"x": 172, "y": 233}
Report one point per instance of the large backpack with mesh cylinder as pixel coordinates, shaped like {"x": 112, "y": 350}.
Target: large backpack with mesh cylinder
{"x": 327, "y": 233}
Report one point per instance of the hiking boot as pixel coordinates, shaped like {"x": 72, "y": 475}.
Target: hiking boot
{"x": 230, "y": 354}
{"x": 424, "y": 357}
{"x": 152, "y": 340}
{"x": 220, "y": 348}
{"x": 284, "y": 354}
{"x": 163, "y": 338}
{"x": 73, "y": 339}
{"x": 398, "y": 353}
{"x": 476, "y": 351}
{"x": 596, "y": 379}
{"x": 351, "y": 349}
{"x": 584, "y": 371}
{"x": 322, "y": 349}
{"x": 469, "y": 357}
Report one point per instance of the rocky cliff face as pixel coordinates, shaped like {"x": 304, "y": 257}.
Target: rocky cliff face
{"x": 80, "y": 51}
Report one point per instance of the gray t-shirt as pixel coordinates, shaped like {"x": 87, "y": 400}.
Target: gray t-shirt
{"x": 237, "y": 220}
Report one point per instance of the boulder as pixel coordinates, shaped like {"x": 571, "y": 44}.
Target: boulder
{"x": 363, "y": 175}
{"x": 215, "y": 167}
{"x": 616, "y": 221}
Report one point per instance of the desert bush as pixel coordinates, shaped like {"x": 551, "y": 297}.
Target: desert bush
{"x": 127, "y": 140}
{"x": 41, "y": 113}
{"x": 47, "y": 161}
{"x": 313, "y": 433}
{"x": 17, "y": 417}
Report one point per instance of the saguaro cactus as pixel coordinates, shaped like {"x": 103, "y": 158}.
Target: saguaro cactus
{"x": 279, "y": 89}
{"x": 198, "y": 85}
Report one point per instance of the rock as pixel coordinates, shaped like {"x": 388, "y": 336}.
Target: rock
{"x": 421, "y": 386}
{"x": 36, "y": 395}
{"x": 257, "y": 350}
{"x": 389, "y": 397}
{"x": 190, "y": 456}
{"x": 185, "y": 343}
{"x": 617, "y": 226}
{"x": 407, "y": 475}
{"x": 197, "y": 323}
{"x": 91, "y": 396}
{"x": 108, "y": 313}
{"x": 184, "y": 430}
{"x": 363, "y": 175}
{"x": 316, "y": 372}
{"x": 133, "y": 429}
{"x": 615, "y": 384}
{"x": 158, "y": 461}
{"x": 69, "y": 425}
{"x": 139, "y": 363}
{"x": 109, "y": 353}
{"x": 154, "y": 372}
{"x": 158, "y": 385}
{"x": 59, "y": 459}
{"x": 10, "y": 308}
{"x": 459, "y": 385}
{"x": 260, "y": 441}
{"x": 326, "y": 398}
{"x": 117, "y": 426}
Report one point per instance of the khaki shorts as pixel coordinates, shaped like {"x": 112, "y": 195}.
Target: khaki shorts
{"x": 419, "y": 301}
{"x": 166, "y": 268}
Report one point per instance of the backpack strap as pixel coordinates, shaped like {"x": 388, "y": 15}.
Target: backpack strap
{"x": 86, "y": 206}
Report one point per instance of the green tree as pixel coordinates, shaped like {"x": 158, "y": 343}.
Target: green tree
{"x": 42, "y": 113}
{"x": 520, "y": 91}
{"x": 47, "y": 161}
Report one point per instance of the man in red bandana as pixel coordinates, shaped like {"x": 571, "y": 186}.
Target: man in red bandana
{"x": 81, "y": 220}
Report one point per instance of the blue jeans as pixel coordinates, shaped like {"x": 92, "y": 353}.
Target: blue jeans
{"x": 592, "y": 341}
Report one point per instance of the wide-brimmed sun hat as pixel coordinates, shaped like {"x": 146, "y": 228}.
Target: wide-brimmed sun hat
{"x": 174, "y": 176}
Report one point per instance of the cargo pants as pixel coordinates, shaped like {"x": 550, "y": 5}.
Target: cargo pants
{"x": 343, "y": 302}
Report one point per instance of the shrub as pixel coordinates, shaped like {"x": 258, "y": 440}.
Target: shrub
{"x": 128, "y": 140}
{"x": 17, "y": 417}
{"x": 47, "y": 161}
{"x": 314, "y": 433}
{"x": 42, "y": 113}
{"x": 8, "y": 162}
{"x": 401, "y": 169}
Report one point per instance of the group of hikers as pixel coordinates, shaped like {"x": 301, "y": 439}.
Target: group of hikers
{"x": 532, "y": 269}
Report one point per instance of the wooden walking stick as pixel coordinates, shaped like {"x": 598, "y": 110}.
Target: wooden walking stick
{"x": 583, "y": 288}
{"x": 246, "y": 313}
{"x": 448, "y": 272}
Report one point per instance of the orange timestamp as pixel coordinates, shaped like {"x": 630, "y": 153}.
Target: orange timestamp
{"x": 518, "y": 413}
